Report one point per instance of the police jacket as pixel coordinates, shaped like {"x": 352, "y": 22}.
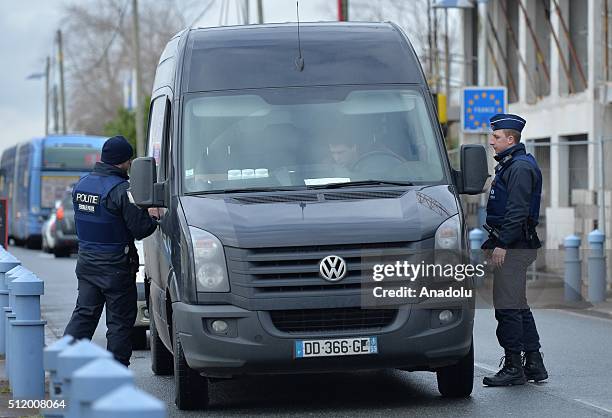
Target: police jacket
{"x": 514, "y": 200}
{"x": 107, "y": 222}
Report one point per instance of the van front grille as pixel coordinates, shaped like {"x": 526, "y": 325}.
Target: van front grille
{"x": 294, "y": 271}
{"x": 328, "y": 320}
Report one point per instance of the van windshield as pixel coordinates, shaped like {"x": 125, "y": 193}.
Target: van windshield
{"x": 307, "y": 136}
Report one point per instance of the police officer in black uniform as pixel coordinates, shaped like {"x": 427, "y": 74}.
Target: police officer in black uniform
{"x": 512, "y": 215}
{"x": 107, "y": 224}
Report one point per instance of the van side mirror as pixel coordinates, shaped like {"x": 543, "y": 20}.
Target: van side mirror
{"x": 143, "y": 187}
{"x": 474, "y": 169}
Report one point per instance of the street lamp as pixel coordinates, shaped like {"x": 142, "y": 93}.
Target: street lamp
{"x": 36, "y": 76}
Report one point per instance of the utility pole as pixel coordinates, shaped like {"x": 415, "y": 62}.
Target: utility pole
{"x": 55, "y": 111}
{"x": 446, "y": 61}
{"x": 247, "y": 19}
{"x": 60, "y": 57}
{"x": 436, "y": 53}
{"x": 47, "y": 96}
{"x": 260, "y": 16}
{"x": 139, "y": 100}
{"x": 429, "y": 44}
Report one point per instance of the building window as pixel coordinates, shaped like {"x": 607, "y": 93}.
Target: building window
{"x": 578, "y": 164}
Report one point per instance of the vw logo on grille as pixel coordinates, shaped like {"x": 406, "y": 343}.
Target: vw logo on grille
{"x": 332, "y": 268}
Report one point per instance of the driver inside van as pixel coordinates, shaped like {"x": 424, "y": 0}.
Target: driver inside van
{"x": 343, "y": 152}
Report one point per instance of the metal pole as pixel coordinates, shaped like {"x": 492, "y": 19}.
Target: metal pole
{"x": 570, "y": 44}
{"x": 429, "y": 43}
{"x": 139, "y": 99}
{"x": 498, "y": 71}
{"x": 47, "y": 69}
{"x": 482, "y": 43}
{"x": 602, "y": 197}
{"x": 436, "y": 53}
{"x": 539, "y": 54}
{"x": 260, "y": 16}
{"x": 606, "y": 48}
{"x": 247, "y": 17}
{"x": 564, "y": 64}
{"x": 343, "y": 10}
{"x": 518, "y": 49}
{"x": 61, "y": 74}
{"x": 446, "y": 60}
{"x": 501, "y": 50}
{"x": 572, "y": 279}
{"x": 55, "y": 111}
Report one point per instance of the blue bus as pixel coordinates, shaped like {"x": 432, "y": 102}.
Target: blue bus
{"x": 36, "y": 173}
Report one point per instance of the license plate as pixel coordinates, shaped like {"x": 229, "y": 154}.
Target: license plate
{"x": 336, "y": 347}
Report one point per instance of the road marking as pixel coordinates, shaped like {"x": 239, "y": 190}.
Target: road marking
{"x": 485, "y": 367}
{"x": 592, "y": 405}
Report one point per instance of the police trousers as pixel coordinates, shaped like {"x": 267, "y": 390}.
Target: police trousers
{"x": 118, "y": 293}
{"x": 516, "y": 328}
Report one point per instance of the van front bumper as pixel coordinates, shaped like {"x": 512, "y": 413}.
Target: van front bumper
{"x": 252, "y": 345}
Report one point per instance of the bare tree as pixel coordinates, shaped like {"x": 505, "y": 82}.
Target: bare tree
{"x": 99, "y": 51}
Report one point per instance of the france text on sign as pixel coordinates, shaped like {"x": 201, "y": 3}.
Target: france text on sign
{"x": 478, "y": 104}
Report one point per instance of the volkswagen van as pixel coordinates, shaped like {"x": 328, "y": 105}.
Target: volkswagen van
{"x": 284, "y": 161}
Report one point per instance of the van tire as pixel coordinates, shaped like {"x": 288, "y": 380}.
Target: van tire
{"x": 161, "y": 358}
{"x": 457, "y": 381}
{"x": 191, "y": 389}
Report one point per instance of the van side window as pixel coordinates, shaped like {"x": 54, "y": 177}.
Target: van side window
{"x": 166, "y": 143}
{"x": 156, "y": 129}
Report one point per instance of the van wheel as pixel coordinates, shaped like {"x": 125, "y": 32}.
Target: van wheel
{"x": 161, "y": 358}
{"x": 191, "y": 389}
{"x": 457, "y": 381}
{"x": 139, "y": 338}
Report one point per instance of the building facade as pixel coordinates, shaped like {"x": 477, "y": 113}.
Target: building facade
{"x": 554, "y": 58}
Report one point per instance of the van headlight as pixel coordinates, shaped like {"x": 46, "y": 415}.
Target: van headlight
{"x": 209, "y": 259}
{"x": 448, "y": 245}
{"x": 447, "y": 234}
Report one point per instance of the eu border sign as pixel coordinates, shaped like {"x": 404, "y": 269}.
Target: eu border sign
{"x": 478, "y": 104}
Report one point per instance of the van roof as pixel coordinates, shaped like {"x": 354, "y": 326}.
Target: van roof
{"x": 259, "y": 56}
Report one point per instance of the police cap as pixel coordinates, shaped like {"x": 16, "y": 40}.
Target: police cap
{"x": 507, "y": 121}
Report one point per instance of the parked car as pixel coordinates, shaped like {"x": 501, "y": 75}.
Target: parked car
{"x": 48, "y": 233}
{"x": 62, "y": 238}
{"x": 139, "y": 333}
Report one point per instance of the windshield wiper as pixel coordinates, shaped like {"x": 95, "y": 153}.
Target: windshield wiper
{"x": 361, "y": 183}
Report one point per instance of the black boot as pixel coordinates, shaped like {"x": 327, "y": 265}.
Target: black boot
{"x": 533, "y": 366}
{"x": 510, "y": 374}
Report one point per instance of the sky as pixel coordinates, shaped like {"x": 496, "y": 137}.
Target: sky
{"x": 28, "y": 30}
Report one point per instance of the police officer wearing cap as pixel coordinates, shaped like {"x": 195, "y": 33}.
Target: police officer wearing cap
{"x": 107, "y": 224}
{"x": 512, "y": 215}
